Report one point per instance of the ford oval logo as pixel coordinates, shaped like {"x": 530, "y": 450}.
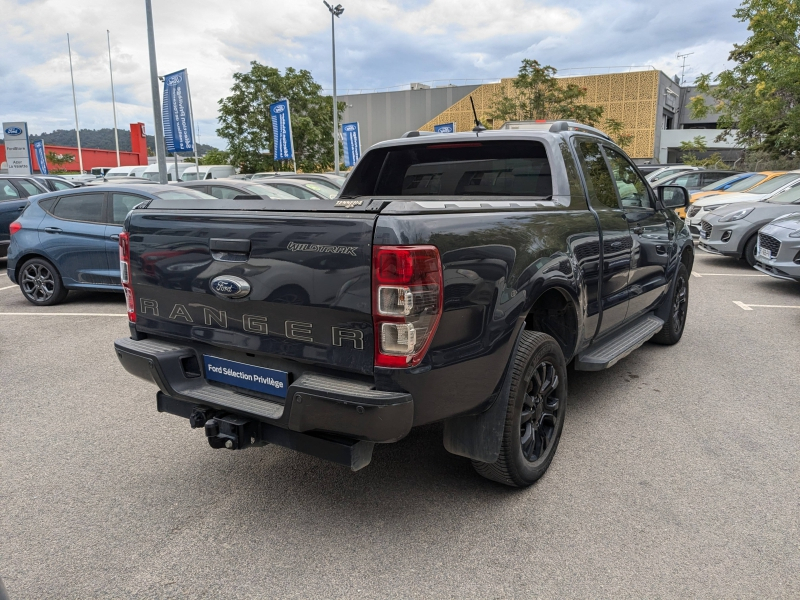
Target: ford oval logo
{"x": 350, "y": 128}
{"x": 445, "y": 130}
{"x": 278, "y": 109}
{"x": 174, "y": 80}
{"x": 227, "y": 286}
{"x": 13, "y": 130}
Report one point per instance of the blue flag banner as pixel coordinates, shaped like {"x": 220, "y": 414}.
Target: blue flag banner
{"x": 41, "y": 157}
{"x": 281, "y": 130}
{"x": 178, "y": 127}
{"x": 445, "y": 128}
{"x": 351, "y": 142}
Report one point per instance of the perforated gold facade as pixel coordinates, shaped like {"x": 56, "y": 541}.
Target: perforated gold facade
{"x": 631, "y": 98}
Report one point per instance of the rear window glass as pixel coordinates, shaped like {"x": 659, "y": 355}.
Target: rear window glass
{"x": 491, "y": 168}
{"x": 774, "y": 183}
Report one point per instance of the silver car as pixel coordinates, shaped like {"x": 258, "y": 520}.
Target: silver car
{"x": 732, "y": 230}
{"x": 778, "y": 249}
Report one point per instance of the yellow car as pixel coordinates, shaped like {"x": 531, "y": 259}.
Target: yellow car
{"x": 740, "y": 186}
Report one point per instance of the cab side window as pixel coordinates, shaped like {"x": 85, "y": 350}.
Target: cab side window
{"x": 632, "y": 189}
{"x": 29, "y": 187}
{"x": 598, "y": 179}
{"x": 224, "y": 193}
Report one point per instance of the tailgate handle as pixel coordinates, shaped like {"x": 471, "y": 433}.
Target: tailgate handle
{"x": 223, "y": 245}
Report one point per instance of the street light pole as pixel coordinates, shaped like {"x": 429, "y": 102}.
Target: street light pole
{"x": 113, "y": 99}
{"x": 75, "y": 106}
{"x": 161, "y": 155}
{"x": 336, "y": 11}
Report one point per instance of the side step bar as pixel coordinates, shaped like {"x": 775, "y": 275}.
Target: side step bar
{"x": 610, "y": 351}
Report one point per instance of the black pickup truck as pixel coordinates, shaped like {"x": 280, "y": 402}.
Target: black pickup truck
{"x": 454, "y": 279}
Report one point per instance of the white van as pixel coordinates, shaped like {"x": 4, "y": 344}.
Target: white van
{"x": 129, "y": 171}
{"x": 100, "y": 171}
{"x": 208, "y": 172}
{"x": 151, "y": 172}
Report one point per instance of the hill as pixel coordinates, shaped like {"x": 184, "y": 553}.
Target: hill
{"x": 101, "y": 138}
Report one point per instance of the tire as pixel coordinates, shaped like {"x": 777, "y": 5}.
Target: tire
{"x": 40, "y": 283}
{"x": 537, "y": 403}
{"x": 672, "y": 331}
{"x": 750, "y": 251}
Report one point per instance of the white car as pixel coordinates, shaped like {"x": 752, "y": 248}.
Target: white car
{"x": 130, "y": 171}
{"x": 763, "y": 191}
{"x": 668, "y": 171}
{"x": 208, "y": 172}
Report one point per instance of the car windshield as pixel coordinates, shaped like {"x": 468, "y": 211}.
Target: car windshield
{"x": 191, "y": 174}
{"x": 182, "y": 195}
{"x": 723, "y": 182}
{"x": 746, "y": 184}
{"x": 321, "y": 189}
{"x": 790, "y": 196}
{"x": 262, "y": 189}
{"x": 773, "y": 184}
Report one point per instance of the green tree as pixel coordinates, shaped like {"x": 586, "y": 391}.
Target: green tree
{"x": 538, "y": 94}
{"x": 216, "y": 157}
{"x": 689, "y": 150}
{"x": 246, "y": 124}
{"x": 760, "y": 96}
{"x": 616, "y": 131}
{"x": 58, "y": 161}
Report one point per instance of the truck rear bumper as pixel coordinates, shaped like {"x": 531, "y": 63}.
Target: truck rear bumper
{"x": 314, "y": 403}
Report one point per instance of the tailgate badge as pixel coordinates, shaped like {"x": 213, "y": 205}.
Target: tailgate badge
{"x": 349, "y": 203}
{"x": 227, "y": 286}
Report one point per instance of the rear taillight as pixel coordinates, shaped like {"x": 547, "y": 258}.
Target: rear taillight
{"x": 125, "y": 274}
{"x": 407, "y": 302}
{"x": 14, "y": 227}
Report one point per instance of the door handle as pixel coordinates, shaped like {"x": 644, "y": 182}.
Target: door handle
{"x": 52, "y": 229}
{"x": 638, "y": 230}
{"x": 114, "y": 237}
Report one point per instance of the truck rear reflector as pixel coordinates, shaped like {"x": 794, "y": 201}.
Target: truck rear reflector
{"x": 407, "y": 287}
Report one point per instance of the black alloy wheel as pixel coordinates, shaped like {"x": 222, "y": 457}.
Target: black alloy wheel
{"x": 539, "y": 416}
{"x": 40, "y": 283}
{"x": 537, "y": 403}
{"x": 672, "y": 331}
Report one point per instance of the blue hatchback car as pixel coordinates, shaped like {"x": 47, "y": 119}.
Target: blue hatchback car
{"x": 68, "y": 240}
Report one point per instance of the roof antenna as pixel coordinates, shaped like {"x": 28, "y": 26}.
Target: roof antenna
{"x": 478, "y": 125}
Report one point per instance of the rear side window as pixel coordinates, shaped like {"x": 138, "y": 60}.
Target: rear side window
{"x": 480, "y": 168}
{"x": 47, "y": 204}
{"x": 7, "y": 191}
{"x": 29, "y": 187}
{"x": 80, "y": 207}
{"x": 60, "y": 185}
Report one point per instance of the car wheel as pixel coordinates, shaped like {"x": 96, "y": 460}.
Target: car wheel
{"x": 40, "y": 283}
{"x": 750, "y": 251}
{"x": 672, "y": 331}
{"x": 537, "y": 403}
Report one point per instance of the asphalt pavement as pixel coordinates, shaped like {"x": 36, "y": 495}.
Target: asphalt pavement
{"x": 678, "y": 475}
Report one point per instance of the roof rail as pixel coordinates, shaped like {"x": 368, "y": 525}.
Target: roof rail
{"x": 554, "y": 126}
{"x": 409, "y": 134}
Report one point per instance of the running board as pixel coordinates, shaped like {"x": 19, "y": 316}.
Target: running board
{"x": 612, "y": 350}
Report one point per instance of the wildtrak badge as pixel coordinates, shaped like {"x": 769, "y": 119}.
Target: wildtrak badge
{"x": 324, "y": 248}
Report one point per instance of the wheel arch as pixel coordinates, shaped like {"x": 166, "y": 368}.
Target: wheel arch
{"x": 555, "y": 313}
{"x": 29, "y": 255}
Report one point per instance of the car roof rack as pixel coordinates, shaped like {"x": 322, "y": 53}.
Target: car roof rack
{"x": 554, "y": 126}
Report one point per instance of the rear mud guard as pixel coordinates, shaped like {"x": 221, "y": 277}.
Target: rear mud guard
{"x": 480, "y": 436}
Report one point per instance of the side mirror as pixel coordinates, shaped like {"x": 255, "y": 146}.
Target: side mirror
{"x": 673, "y": 196}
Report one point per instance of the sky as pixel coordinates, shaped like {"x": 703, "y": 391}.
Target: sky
{"x": 379, "y": 44}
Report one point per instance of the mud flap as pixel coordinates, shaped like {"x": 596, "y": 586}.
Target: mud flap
{"x": 480, "y": 436}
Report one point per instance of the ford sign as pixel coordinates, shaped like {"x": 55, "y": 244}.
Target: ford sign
{"x": 227, "y": 286}
{"x": 445, "y": 129}
{"x": 279, "y": 108}
{"x": 349, "y": 127}
{"x": 13, "y": 130}
{"x": 174, "y": 80}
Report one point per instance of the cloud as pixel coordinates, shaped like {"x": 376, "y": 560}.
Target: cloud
{"x": 380, "y": 43}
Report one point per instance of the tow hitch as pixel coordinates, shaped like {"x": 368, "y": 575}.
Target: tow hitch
{"x": 225, "y": 431}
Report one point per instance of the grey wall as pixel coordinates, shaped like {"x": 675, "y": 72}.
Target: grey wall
{"x": 388, "y": 115}
{"x": 668, "y": 104}
{"x": 690, "y": 92}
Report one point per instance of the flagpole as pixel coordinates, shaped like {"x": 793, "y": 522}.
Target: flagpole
{"x": 75, "y": 106}
{"x": 113, "y": 99}
{"x": 194, "y": 135}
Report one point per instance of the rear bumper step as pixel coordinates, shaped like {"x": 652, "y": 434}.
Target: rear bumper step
{"x": 314, "y": 403}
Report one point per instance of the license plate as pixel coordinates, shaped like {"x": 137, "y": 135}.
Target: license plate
{"x": 258, "y": 379}
{"x": 764, "y": 252}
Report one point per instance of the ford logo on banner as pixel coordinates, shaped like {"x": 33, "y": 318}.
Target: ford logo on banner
{"x": 445, "y": 128}
{"x": 13, "y": 130}
{"x": 174, "y": 79}
{"x": 227, "y": 286}
{"x": 349, "y": 128}
{"x": 278, "y": 108}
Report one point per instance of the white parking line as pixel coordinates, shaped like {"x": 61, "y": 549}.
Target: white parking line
{"x": 59, "y": 314}
{"x": 744, "y": 306}
{"x": 8, "y": 287}
{"x": 728, "y": 274}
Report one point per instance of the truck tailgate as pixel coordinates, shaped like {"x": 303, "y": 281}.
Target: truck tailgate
{"x": 308, "y": 277}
